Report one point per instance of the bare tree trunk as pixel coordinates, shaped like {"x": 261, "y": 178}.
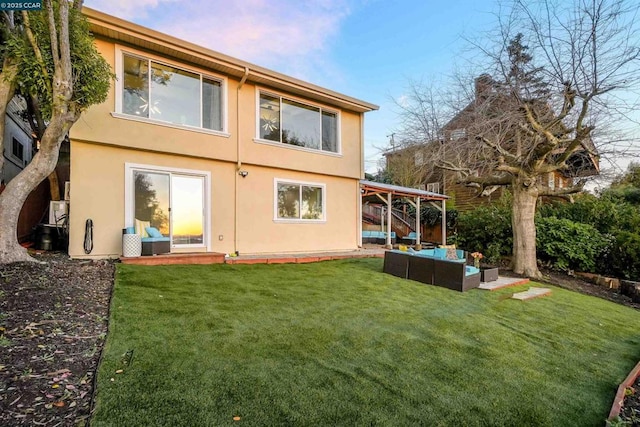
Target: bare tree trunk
{"x": 7, "y": 90}
{"x": 54, "y": 186}
{"x": 524, "y": 228}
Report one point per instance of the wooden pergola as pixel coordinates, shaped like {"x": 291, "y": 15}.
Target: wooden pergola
{"x": 387, "y": 192}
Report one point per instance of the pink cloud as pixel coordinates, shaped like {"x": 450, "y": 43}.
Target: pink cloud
{"x": 293, "y": 37}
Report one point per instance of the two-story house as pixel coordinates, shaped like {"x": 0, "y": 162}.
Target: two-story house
{"x": 218, "y": 154}
{"x": 414, "y": 168}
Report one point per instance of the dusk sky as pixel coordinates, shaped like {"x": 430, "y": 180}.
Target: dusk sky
{"x": 368, "y": 49}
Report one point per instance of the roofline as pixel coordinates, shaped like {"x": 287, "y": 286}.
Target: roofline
{"x": 398, "y": 190}
{"x": 104, "y": 25}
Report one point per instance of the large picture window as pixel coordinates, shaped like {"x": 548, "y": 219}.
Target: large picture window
{"x": 163, "y": 92}
{"x": 296, "y": 201}
{"x": 295, "y": 123}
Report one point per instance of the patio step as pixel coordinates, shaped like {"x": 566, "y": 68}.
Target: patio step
{"x": 171, "y": 259}
{"x": 502, "y": 282}
{"x": 531, "y": 293}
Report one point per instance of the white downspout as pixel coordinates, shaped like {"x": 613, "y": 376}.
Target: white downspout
{"x": 238, "y": 160}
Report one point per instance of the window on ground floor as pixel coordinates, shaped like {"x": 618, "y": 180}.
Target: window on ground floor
{"x": 299, "y": 201}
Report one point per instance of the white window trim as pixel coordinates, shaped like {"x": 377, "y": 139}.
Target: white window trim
{"x": 337, "y": 112}
{"x": 277, "y": 181}
{"x": 120, "y": 51}
{"x": 431, "y": 185}
{"x": 129, "y": 201}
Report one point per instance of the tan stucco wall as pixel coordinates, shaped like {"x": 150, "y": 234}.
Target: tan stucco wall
{"x": 260, "y": 233}
{"x": 99, "y": 125}
{"x": 97, "y": 192}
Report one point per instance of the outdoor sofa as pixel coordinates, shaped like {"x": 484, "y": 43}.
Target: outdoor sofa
{"x": 377, "y": 237}
{"x": 431, "y": 266}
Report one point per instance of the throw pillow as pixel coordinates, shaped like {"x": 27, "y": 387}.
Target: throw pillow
{"x": 153, "y": 232}
{"x": 451, "y": 253}
{"x": 141, "y": 227}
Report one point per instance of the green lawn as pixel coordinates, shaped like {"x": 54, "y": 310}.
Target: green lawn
{"x": 341, "y": 343}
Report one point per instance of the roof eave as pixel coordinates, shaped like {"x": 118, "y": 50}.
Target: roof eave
{"x": 103, "y": 25}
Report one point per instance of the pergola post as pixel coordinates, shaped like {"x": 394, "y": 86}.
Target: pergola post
{"x": 388, "y": 245}
{"x": 359, "y": 236}
{"x": 444, "y": 222}
{"x": 418, "y": 226}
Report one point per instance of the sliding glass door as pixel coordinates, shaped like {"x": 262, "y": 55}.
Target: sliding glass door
{"x": 187, "y": 213}
{"x": 173, "y": 203}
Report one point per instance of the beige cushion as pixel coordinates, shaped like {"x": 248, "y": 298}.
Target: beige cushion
{"x": 141, "y": 226}
{"x": 451, "y": 253}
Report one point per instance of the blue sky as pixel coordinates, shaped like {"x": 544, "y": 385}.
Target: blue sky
{"x": 368, "y": 49}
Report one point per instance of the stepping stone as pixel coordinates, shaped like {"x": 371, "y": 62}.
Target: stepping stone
{"x": 502, "y": 282}
{"x": 532, "y": 293}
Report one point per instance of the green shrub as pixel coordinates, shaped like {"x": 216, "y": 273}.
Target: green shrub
{"x": 486, "y": 229}
{"x": 607, "y": 213}
{"x": 566, "y": 244}
{"x": 623, "y": 260}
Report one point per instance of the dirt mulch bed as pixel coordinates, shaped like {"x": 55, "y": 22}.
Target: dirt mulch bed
{"x": 631, "y": 410}
{"x": 53, "y": 323}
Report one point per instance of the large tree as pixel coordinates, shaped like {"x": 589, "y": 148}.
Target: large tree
{"x": 553, "y": 81}
{"x": 50, "y": 59}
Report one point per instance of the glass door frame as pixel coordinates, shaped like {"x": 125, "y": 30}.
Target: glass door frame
{"x": 129, "y": 197}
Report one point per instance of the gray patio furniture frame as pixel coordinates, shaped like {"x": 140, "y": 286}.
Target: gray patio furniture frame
{"x": 445, "y": 273}
{"x": 452, "y": 275}
{"x": 421, "y": 269}
{"x": 396, "y": 264}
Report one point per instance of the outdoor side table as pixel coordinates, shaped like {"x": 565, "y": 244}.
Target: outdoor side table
{"x": 489, "y": 275}
{"x": 131, "y": 245}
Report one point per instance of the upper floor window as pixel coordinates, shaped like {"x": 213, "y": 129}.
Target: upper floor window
{"x": 163, "y": 92}
{"x": 296, "y": 123}
{"x": 434, "y": 187}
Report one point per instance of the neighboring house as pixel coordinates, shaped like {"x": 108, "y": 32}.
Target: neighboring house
{"x": 18, "y": 152}
{"x": 418, "y": 173}
{"x": 18, "y": 143}
{"x": 218, "y": 154}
